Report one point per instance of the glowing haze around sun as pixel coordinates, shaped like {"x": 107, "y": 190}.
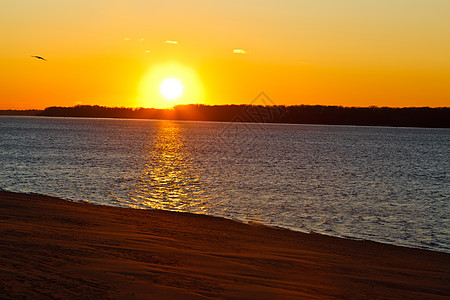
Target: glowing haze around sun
{"x": 167, "y": 84}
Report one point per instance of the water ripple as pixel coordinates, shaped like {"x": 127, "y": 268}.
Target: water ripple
{"x": 383, "y": 184}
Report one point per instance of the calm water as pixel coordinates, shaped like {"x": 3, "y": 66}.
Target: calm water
{"x": 383, "y": 184}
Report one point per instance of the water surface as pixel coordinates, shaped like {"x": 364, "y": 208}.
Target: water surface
{"x": 378, "y": 183}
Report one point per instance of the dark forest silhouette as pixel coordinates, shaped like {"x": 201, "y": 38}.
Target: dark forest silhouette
{"x": 298, "y": 114}
{"x": 17, "y": 112}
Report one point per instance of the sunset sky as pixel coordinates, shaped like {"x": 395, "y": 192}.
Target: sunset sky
{"x": 118, "y": 52}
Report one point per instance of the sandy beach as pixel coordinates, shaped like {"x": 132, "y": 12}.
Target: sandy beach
{"x": 52, "y": 248}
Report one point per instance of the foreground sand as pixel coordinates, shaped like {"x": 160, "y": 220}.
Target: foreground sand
{"x": 51, "y": 248}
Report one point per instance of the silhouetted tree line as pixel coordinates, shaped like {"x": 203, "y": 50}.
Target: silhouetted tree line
{"x": 298, "y": 114}
{"x": 96, "y": 111}
{"x": 16, "y": 112}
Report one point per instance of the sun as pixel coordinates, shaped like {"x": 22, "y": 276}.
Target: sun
{"x": 171, "y": 88}
{"x": 164, "y": 85}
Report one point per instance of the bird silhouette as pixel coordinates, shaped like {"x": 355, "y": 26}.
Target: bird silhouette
{"x": 38, "y": 57}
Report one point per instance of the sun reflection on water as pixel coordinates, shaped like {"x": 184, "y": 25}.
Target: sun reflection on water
{"x": 168, "y": 179}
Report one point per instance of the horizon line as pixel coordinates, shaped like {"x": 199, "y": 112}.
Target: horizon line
{"x": 213, "y": 105}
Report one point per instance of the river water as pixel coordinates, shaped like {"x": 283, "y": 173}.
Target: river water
{"x": 377, "y": 183}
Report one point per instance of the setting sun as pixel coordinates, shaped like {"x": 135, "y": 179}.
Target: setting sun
{"x": 171, "y": 88}
{"x": 167, "y": 84}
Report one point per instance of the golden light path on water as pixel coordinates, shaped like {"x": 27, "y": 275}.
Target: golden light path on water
{"x": 168, "y": 180}
{"x": 377, "y": 183}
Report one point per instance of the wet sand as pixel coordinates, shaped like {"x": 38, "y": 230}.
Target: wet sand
{"x": 52, "y": 248}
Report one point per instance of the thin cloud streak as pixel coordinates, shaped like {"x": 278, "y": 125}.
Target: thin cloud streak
{"x": 239, "y": 51}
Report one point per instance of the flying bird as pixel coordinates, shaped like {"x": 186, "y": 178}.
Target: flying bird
{"x": 38, "y": 57}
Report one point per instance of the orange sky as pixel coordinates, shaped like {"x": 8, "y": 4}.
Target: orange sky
{"x": 116, "y": 52}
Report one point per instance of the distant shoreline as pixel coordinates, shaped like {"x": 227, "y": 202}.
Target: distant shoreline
{"x": 425, "y": 117}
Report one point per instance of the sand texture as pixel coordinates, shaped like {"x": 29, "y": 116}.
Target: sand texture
{"x": 52, "y": 248}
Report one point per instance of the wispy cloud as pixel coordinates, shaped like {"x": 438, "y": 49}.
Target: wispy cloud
{"x": 239, "y": 51}
{"x": 126, "y": 39}
{"x": 172, "y": 42}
